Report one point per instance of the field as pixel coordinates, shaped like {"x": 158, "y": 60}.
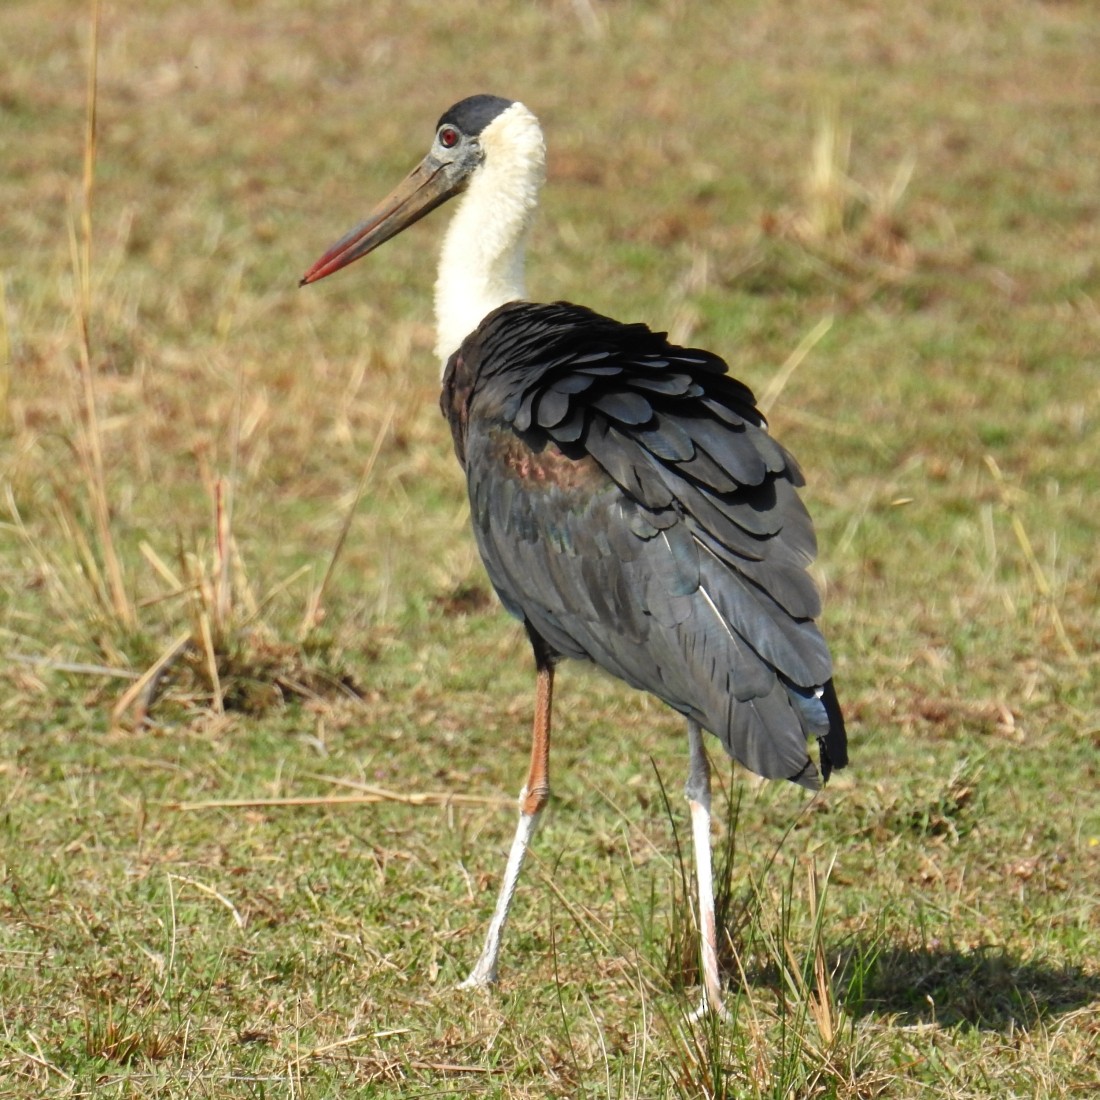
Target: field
{"x": 262, "y": 722}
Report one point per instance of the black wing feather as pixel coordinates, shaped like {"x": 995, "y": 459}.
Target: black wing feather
{"x": 632, "y": 510}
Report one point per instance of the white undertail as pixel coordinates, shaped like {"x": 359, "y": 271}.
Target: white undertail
{"x": 481, "y": 264}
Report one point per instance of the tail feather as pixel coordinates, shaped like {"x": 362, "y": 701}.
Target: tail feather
{"x": 833, "y": 745}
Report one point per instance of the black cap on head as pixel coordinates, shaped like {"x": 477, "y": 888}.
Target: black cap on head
{"x": 472, "y": 115}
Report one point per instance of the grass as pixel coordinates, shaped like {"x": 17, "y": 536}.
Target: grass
{"x": 262, "y": 591}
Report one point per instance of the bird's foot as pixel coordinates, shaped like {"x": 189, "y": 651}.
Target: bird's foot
{"x": 707, "y": 1008}
{"x": 481, "y": 977}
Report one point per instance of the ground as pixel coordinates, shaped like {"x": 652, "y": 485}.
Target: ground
{"x": 261, "y": 721}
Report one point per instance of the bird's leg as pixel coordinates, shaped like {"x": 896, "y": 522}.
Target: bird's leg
{"x": 533, "y": 797}
{"x": 697, "y": 791}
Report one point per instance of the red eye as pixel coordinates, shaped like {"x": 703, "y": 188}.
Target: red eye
{"x": 448, "y": 137}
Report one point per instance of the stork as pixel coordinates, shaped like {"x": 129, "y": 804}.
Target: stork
{"x": 628, "y": 503}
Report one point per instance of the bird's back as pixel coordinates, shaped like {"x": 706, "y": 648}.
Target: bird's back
{"x": 632, "y": 510}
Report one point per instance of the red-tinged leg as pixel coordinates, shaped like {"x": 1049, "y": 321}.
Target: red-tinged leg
{"x": 532, "y": 799}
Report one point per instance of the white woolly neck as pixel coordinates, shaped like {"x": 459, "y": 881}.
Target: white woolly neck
{"x": 481, "y": 264}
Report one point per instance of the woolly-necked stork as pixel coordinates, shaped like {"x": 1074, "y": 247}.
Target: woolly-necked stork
{"x": 629, "y": 505}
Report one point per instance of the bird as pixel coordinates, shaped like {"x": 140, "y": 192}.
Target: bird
{"x": 628, "y": 502}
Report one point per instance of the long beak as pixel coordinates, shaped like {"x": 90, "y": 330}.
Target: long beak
{"x": 427, "y": 186}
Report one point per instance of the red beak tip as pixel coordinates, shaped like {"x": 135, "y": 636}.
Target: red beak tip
{"x": 313, "y": 274}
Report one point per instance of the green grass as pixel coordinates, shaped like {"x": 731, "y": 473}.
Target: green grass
{"x": 929, "y": 927}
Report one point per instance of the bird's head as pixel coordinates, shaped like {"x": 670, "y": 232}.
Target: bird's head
{"x": 466, "y": 136}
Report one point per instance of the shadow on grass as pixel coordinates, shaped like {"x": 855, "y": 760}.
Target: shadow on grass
{"x": 986, "y": 988}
